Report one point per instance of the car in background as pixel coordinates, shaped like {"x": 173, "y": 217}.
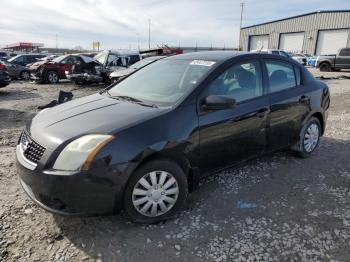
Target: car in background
{"x": 113, "y": 60}
{"x": 336, "y": 62}
{"x": 119, "y": 74}
{"x": 272, "y": 51}
{"x": 301, "y": 58}
{"x": 312, "y": 61}
{"x": 17, "y": 71}
{"x": 143, "y": 143}
{"x": 25, "y": 59}
{"x": 5, "y": 78}
{"x": 4, "y": 55}
{"x": 51, "y": 71}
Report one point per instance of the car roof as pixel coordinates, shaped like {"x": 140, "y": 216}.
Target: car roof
{"x": 209, "y": 55}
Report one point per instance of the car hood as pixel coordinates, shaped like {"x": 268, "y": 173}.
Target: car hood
{"x": 95, "y": 114}
{"x": 37, "y": 64}
{"x": 123, "y": 72}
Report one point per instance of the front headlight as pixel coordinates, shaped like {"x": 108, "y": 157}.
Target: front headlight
{"x": 79, "y": 154}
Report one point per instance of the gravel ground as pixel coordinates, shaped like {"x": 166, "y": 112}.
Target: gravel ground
{"x": 275, "y": 208}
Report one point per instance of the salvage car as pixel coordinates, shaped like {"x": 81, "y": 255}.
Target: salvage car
{"x": 142, "y": 144}
{"x": 117, "y": 60}
{"x": 119, "y": 74}
{"x": 5, "y": 78}
{"x": 25, "y": 59}
{"x": 88, "y": 71}
{"x": 334, "y": 62}
{"x": 51, "y": 71}
{"x": 17, "y": 71}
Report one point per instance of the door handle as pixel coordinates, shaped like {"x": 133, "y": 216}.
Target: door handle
{"x": 262, "y": 112}
{"x": 304, "y": 99}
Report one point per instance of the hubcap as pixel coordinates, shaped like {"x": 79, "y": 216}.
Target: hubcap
{"x": 25, "y": 75}
{"x": 155, "y": 193}
{"x": 312, "y": 135}
{"x": 53, "y": 78}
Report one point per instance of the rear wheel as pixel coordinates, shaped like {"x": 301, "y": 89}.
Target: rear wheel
{"x": 309, "y": 138}
{"x": 25, "y": 75}
{"x": 155, "y": 192}
{"x": 325, "y": 67}
{"x": 52, "y": 77}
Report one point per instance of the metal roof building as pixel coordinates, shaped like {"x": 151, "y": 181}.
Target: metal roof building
{"x": 322, "y": 32}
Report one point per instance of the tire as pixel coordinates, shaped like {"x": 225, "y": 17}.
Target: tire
{"x": 325, "y": 67}
{"x": 309, "y": 138}
{"x": 25, "y": 75}
{"x": 156, "y": 195}
{"x": 52, "y": 77}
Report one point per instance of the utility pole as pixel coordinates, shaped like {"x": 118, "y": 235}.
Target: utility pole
{"x": 240, "y": 27}
{"x": 138, "y": 41}
{"x": 149, "y": 33}
{"x": 56, "y": 44}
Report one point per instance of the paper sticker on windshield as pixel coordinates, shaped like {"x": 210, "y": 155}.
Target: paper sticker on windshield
{"x": 202, "y": 62}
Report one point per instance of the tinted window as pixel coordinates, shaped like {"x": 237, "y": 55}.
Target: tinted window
{"x": 275, "y": 52}
{"x": 281, "y": 75}
{"x": 298, "y": 75}
{"x": 68, "y": 60}
{"x": 345, "y": 52}
{"x": 134, "y": 59}
{"x": 241, "y": 82}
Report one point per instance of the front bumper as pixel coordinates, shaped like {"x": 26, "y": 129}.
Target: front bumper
{"x": 74, "y": 193}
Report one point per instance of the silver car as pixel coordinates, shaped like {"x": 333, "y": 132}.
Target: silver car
{"x": 17, "y": 71}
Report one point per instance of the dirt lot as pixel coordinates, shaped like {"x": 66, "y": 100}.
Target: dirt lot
{"x": 276, "y": 208}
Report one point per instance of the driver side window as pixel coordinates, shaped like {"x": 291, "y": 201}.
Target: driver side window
{"x": 242, "y": 81}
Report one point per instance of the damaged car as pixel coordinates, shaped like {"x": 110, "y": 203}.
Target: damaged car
{"x": 119, "y": 74}
{"x": 87, "y": 71}
{"x": 51, "y": 71}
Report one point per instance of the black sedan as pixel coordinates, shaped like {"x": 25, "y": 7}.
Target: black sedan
{"x": 144, "y": 143}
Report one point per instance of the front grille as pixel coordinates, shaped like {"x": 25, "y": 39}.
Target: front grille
{"x": 31, "y": 149}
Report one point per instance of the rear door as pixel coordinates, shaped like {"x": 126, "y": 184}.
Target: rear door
{"x": 228, "y": 136}
{"x": 343, "y": 59}
{"x": 289, "y": 104}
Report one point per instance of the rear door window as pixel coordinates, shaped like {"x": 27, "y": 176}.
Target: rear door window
{"x": 281, "y": 75}
{"x": 298, "y": 77}
{"x": 345, "y": 52}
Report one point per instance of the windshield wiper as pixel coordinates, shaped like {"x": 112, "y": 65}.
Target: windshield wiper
{"x": 135, "y": 100}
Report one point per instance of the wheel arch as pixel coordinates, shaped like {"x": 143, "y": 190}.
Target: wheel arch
{"x": 320, "y": 118}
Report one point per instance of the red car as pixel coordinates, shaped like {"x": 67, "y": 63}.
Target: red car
{"x": 51, "y": 71}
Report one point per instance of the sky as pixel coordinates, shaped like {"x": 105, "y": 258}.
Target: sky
{"x": 119, "y": 24}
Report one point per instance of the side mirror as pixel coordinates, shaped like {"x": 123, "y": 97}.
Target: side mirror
{"x": 217, "y": 102}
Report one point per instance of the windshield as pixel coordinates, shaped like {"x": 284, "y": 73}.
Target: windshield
{"x": 13, "y": 58}
{"x": 163, "y": 83}
{"x": 59, "y": 59}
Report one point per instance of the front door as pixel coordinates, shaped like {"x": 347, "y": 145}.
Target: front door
{"x": 228, "y": 136}
{"x": 343, "y": 59}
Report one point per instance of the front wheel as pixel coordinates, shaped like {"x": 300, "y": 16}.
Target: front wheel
{"x": 25, "y": 75}
{"x": 52, "y": 77}
{"x": 309, "y": 138}
{"x": 155, "y": 192}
